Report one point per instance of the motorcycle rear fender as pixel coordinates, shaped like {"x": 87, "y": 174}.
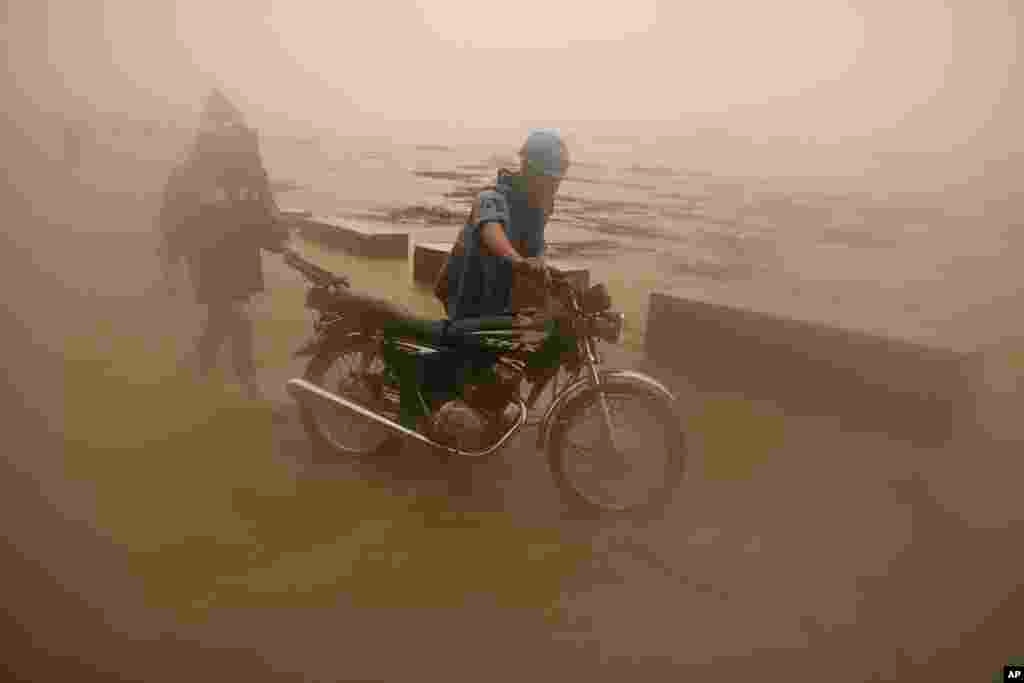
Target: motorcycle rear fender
{"x": 577, "y": 388}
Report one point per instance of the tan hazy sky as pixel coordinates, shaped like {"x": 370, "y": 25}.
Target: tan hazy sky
{"x": 926, "y": 70}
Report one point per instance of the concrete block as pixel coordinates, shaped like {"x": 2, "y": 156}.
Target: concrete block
{"x": 899, "y": 384}
{"x": 360, "y": 238}
{"x": 427, "y": 260}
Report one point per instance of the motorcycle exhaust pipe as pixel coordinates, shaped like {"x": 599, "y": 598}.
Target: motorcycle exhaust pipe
{"x": 300, "y": 389}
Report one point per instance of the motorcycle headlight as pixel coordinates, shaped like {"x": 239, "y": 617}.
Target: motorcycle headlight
{"x": 596, "y": 300}
{"x": 608, "y": 327}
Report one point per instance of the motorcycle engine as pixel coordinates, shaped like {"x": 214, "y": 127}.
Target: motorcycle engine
{"x": 458, "y": 425}
{"x": 494, "y": 396}
{"x": 474, "y": 423}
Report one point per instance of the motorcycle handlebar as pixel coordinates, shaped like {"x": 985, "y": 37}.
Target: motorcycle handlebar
{"x": 313, "y": 272}
{"x": 559, "y": 287}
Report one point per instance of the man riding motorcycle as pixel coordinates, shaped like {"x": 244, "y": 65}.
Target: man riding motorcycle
{"x": 504, "y": 235}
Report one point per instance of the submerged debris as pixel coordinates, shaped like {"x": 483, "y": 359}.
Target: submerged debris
{"x": 445, "y": 175}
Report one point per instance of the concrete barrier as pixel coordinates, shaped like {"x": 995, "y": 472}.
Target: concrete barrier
{"x": 905, "y": 385}
{"x": 292, "y": 219}
{"x": 360, "y": 238}
{"x": 428, "y": 258}
{"x": 295, "y": 214}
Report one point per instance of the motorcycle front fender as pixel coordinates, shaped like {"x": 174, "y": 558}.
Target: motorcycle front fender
{"x": 577, "y": 388}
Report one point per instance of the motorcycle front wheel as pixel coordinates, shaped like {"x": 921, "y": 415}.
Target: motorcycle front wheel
{"x": 632, "y": 474}
{"x": 355, "y": 372}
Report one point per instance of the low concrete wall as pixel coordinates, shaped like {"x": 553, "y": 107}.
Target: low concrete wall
{"x": 904, "y": 387}
{"x": 292, "y": 215}
{"x": 428, "y": 258}
{"x": 292, "y": 219}
{"x": 357, "y": 237}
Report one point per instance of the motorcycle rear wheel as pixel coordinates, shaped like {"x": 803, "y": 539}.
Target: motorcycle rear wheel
{"x": 361, "y": 371}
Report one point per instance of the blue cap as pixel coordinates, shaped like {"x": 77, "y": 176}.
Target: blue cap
{"x": 544, "y": 152}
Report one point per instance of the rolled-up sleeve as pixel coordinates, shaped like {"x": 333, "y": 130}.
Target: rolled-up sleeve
{"x": 492, "y": 208}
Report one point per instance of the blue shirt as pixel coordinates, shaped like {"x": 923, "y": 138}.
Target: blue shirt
{"x": 479, "y": 283}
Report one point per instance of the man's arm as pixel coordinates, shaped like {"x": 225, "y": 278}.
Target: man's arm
{"x": 492, "y": 215}
{"x": 170, "y": 219}
{"x": 277, "y": 235}
{"x": 497, "y": 242}
{"x": 169, "y": 227}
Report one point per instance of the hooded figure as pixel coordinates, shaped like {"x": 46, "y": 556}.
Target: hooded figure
{"x": 218, "y": 212}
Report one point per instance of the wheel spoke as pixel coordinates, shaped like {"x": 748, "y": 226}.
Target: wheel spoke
{"x": 620, "y": 475}
{"x": 357, "y": 369}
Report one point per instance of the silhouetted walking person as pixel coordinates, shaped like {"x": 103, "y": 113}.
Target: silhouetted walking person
{"x": 218, "y": 212}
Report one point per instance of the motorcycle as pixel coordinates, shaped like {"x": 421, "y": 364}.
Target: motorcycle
{"x": 458, "y": 387}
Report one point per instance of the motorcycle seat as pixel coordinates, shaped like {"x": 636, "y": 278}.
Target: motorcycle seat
{"x": 400, "y": 321}
{"x": 451, "y": 333}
